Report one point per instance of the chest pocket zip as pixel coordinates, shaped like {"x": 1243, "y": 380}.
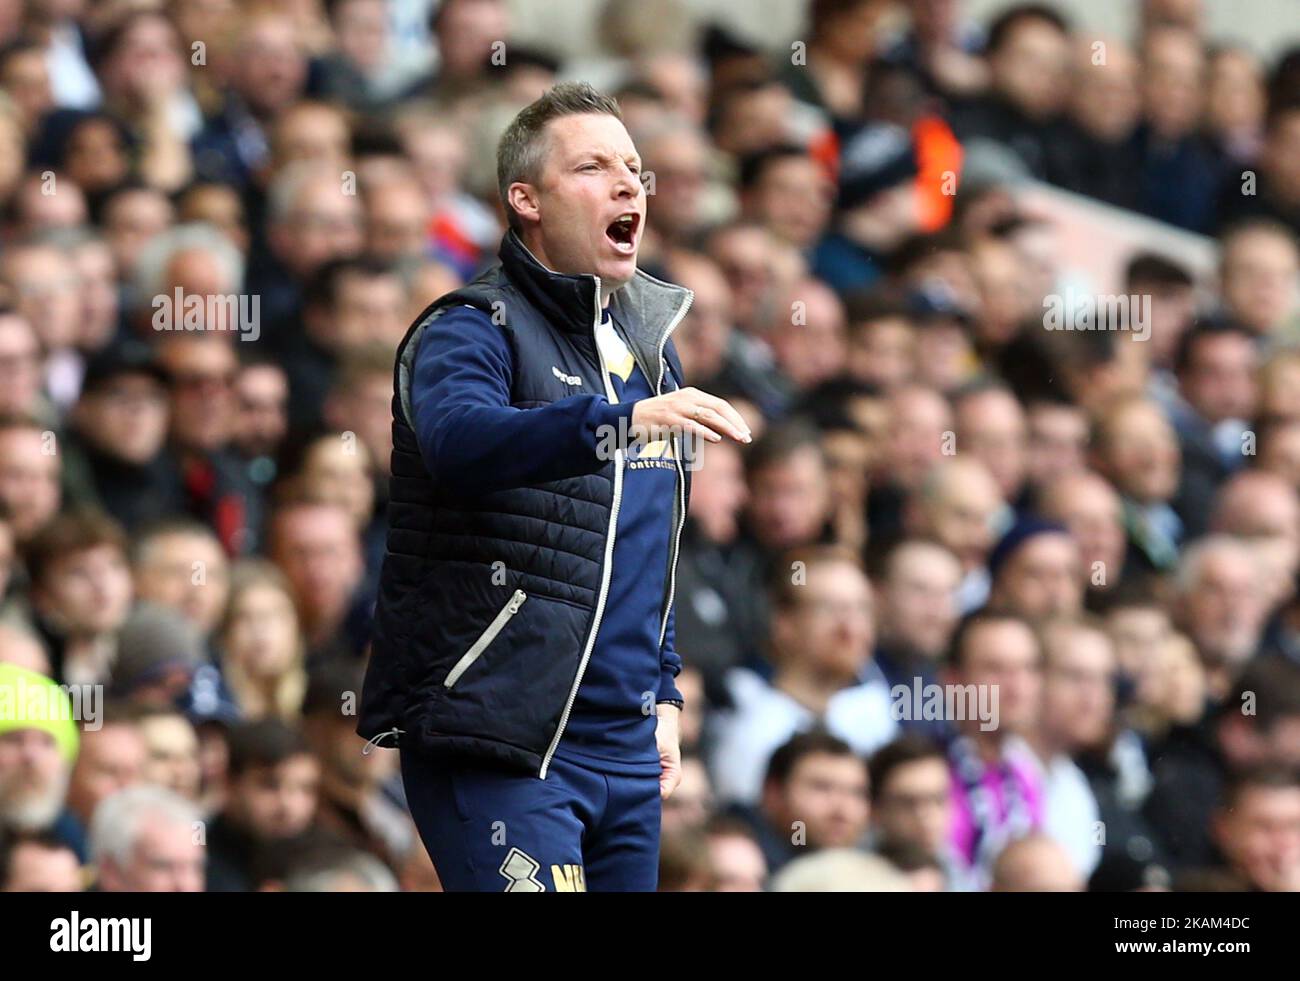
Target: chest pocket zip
{"x": 495, "y": 627}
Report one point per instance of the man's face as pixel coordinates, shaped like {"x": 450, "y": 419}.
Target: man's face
{"x": 830, "y": 627}
{"x": 1219, "y": 382}
{"x": 1031, "y": 70}
{"x": 920, "y": 599}
{"x": 202, "y": 371}
{"x": 992, "y": 427}
{"x": 812, "y": 348}
{"x": 848, "y": 454}
{"x": 738, "y": 863}
{"x": 1078, "y": 688}
{"x": 918, "y": 418}
{"x": 1136, "y": 631}
{"x": 915, "y": 805}
{"x": 188, "y": 573}
{"x": 1259, "y": 279}
{"x": 962, "y": 517}
{"x": 681, "y": 168}
{"x": 26, "y": 80}
{"x": 1105, "y": 102}
{"x": 1042, "y": 578}
{"x": 828, "y": 794}
{"x": 127, "y": 418}
{"x": 788, "y": 500}
{"x": 334, "y": 743}
{"x": 20, "y": 365}
{"x": 318, "y": 548}
{"x": 46, "y": 291}
{"x": 29, "y": 480}
{"x": 1142, "y": 458}
{"x": 262, "y": 392}
{"x": 276, "y": 802}
{"x": 312, "y": 133}
{"x": 218, "y": 205}
{"x": 745, "y": 256}
{"x": 1173, "y": 82}
{"x": 38, "y": 211}
{"x": 1261, "y": 837}
{"x": 366, "y": 409}
{"x": 1225, "y": 608}
{"x": 719, "y": 491}
{"x": 1004, "y": 654}
{"x": 173, "y": 754}
{"x": 882, "y": 352}
{"x": 110, "y": 760}
{"x": 323, "y": 224}
{"x": 362, "y": 27}
{"x": 1093, "y": 513}
{"x": 1267, "y": 517}
{"x": 339, "y": 472}
{"x": 369, "y": 308}
{"x": 590, "y": 179}
{"x": 1173, "y": 306}
{"x": 701, "y": 338}
{"x": 397, "y": 221}
{"x": 270, "y": 65}
{"x": 466, "y": 31}
{"x": 1280, "y": 453}
{"x": 168, "y": 857}
{"x": 1058, "y": 439}
{"x": 35, "y": 868}
{"x": 793, "y": 198}
{"x": 33, "y": 779}
{"x": 131, "y": 219}
{"x": 88, "y": 592}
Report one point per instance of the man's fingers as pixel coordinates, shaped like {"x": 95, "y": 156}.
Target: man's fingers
{"x": 695, "y": 426}
{"x": 719, "y": 413}
{"x": 728, "y": 412}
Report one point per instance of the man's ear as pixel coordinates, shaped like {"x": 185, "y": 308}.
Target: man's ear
{"x": 523, "y": 199}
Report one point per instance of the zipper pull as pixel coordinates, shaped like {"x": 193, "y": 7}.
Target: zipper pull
{"x": 516, "y": 601}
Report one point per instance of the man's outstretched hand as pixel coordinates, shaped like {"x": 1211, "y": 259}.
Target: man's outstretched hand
{"x": 689, "y": 410}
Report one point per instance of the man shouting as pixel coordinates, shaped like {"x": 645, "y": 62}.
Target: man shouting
{"x": 523, "y": 656}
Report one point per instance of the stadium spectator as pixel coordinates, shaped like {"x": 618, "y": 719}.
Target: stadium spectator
{"x": 822, "y": 641}
{"x": 147, "y": 839}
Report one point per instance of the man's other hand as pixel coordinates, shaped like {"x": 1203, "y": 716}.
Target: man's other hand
{"x": 668, "y": 740}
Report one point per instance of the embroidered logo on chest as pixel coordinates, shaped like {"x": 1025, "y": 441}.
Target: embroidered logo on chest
{"x": 567, "y": 379}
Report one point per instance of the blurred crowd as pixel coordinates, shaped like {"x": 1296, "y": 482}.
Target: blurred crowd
{"x": 984, "y": 606}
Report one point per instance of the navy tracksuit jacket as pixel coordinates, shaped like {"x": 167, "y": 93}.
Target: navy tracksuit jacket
{"x": 594, "y": 821}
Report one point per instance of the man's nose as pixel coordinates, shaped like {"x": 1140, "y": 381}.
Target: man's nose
{"x": 626, "y": 185}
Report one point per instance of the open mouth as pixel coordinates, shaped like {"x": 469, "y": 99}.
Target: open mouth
{"x": 622, "y": 233}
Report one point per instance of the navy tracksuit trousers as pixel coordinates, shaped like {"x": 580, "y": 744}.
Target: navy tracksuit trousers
{"x": 495, "y": 830}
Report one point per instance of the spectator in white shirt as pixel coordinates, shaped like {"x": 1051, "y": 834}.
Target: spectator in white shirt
{"x": 1078, "y": 711}
{"x": 822, "y": 637}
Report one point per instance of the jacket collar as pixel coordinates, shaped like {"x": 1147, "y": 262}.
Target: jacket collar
{"x": 568, "y": 302}
{"x": 647, "y": 307}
